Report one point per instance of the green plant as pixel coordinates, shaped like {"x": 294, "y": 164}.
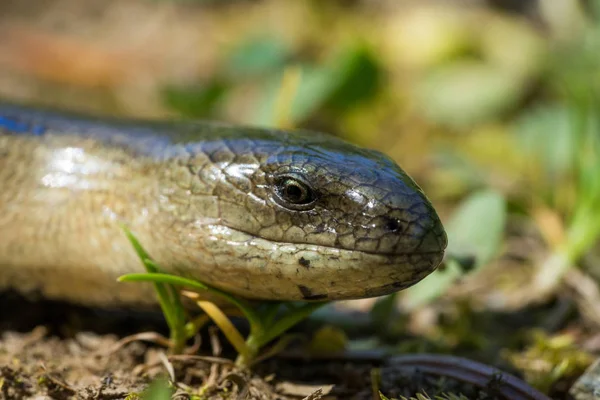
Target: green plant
{"x": 555, "y": 145}
{"x": 548, "y": 359}
{"x": 563, "y": 138}
{"x": 420, "y": 396}
{"x": 264, "y": 324}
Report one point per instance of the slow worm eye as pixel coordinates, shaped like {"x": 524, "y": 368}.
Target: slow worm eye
{"x": 294, "y": 193}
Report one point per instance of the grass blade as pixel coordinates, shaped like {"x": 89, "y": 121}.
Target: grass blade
{"x": 249, "y": 313}
{"x": 231, "y": 333}
{"x": 167, "y": 297}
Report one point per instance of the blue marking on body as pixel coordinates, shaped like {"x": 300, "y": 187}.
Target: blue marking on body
{"x": 15, "y": 126}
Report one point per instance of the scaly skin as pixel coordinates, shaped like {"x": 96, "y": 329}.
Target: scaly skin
{"x": 263, "y": 214}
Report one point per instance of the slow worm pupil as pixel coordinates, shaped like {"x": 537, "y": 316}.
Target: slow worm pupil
{"x": 294, "y": 192}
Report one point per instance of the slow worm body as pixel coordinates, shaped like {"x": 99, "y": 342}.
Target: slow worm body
{"x": 264, "y": 214}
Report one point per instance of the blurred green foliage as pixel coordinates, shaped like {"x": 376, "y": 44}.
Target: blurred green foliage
{"x": 159, "y": 389}
{"x": 257, "y": 56}
{"x": 548, "y": 359}
{"x": 476, "y": 229}
{"x": 350, "y": 77}
{"x": 195, "y": 101}
{"x": 464, "y": 81}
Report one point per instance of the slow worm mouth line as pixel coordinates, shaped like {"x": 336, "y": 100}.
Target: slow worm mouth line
{"x": 389, "y": 255}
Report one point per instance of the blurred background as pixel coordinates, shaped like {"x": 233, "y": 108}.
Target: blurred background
{"x": 492, "y": 106}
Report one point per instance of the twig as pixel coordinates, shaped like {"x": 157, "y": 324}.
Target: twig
{"x": 168, "y": 366}
{"x": 151, "y": 337}
{"x": 586, "y": 294}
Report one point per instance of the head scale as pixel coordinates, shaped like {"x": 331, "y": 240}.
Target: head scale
{"x": 319, "y": 190}
{"x": 314, "y": 213}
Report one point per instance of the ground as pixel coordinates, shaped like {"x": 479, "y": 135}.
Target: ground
{"x": 59, "y": 351}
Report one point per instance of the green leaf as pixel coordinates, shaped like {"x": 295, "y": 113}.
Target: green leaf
{"x": 168, "y": 297}
{"x": 290, "y": 319}
{"x": 477, "y": 226}
{"x": 464, "y": 93}
{"x": 139, "y": 249}
{"x": 383, "y": 310}
{"x": 316, "y": 85}
{"x": 545, "y": 134}
{"x": 159, "y": 389}
{"x": 258, "y": 55}
{"x": 383, "y": 397}
{"x": 359, "y": 79}
{"x": 327, "y": 340}
{"x": 197, "y": 101}
{"x": 175, "y": 280}
{"x": 347, "y": 79}
{"x": 263, "y": 326}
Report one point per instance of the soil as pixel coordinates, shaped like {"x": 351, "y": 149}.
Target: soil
{"x": 59, "y": 351}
